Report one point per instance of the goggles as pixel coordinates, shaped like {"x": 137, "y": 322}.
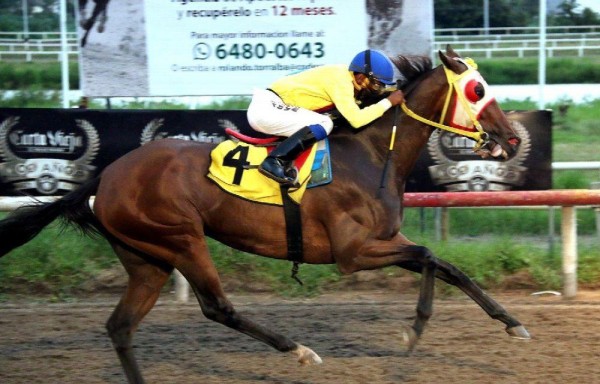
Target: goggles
{"x": 380, "y": 87}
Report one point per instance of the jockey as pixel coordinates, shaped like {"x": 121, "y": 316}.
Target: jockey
{"x": 289, "y": 107}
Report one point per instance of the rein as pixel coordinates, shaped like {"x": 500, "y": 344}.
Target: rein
{"x": 480, "y": 136}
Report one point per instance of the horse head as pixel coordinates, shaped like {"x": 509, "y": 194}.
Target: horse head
{"x": 471, "y": 110}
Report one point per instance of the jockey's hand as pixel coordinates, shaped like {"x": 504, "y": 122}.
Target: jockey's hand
{"x": 396, "y": 97}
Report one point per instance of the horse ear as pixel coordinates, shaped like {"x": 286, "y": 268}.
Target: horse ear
{"x": 445, "y": 59}
{"x": 450, "y": 52}
{"x": 448, "y": 59}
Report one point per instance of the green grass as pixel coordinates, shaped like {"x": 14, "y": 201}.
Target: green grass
{"x": 575, "y": 132}
{"x": 60, "y": 263}
{"x": 561, "y": 70}
{"x": 36, "y": 76}
{"x": 56, "y": 261}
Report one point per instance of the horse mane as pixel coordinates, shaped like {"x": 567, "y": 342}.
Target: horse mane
{"x": 411, "y": 67}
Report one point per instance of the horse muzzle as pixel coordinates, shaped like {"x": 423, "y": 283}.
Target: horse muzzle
{"x": 498, "y": 148}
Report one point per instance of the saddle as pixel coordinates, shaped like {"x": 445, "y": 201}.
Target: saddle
{"x": 234, "y": 167}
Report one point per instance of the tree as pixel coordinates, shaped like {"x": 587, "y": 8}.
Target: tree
{"x": 42, "y": 15}
{"x": 469, "y": 13}
{"x": 508, "y": 13}
{"x": 568, "y": 14}
{"x": 10, "y": 7}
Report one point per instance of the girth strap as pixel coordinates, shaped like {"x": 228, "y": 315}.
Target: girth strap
{"x": 293, "y": 230}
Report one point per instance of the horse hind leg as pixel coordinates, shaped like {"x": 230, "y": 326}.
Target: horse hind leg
{"x": 203, "y": 277}
{"x": 145, "y": 282}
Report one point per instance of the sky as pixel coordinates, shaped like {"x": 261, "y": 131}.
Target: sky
{"x": 593, "y": 4}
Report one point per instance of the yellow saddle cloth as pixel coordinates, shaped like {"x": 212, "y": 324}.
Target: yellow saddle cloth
{"x": 234, "y": 168}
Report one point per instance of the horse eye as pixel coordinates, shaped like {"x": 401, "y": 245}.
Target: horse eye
{"x": 480, "y": 90}
{"x": 474, "y": 91}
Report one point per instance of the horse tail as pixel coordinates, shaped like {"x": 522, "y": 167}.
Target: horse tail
{"x": 25, "y": 223}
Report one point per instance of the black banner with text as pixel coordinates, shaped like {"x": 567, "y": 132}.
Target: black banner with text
{"x": 52, "y": 151}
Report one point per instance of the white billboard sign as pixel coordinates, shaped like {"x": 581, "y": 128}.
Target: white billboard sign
{"x": 246, "y": 42}
{"x": 228, "y": 47}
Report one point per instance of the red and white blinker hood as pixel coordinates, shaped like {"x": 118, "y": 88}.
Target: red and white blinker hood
{"x": 467, "y": 107}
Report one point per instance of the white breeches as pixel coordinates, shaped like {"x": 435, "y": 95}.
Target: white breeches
{"x": 267, "y": 113}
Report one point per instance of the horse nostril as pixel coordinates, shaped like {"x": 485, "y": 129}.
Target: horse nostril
{"x": 514, "y": 141}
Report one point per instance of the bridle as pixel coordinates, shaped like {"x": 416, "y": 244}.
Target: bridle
{"x": 475, "y": 132}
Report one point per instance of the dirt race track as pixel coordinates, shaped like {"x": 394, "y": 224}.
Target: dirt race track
{"x": 357, "y": 335}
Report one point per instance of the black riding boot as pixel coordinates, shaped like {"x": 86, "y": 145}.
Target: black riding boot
{"x": 279, "y": 164}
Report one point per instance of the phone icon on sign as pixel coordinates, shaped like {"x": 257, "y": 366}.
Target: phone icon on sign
{"x": 201, "y": 51}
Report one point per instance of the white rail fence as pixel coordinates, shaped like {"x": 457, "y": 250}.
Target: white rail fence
{"x": 578, "y": 41}
{"x": 30, "y": 56}
{"x": 22, "y": 36}
{"x": 518, "y": 31}
{"x": 521, "y": 52}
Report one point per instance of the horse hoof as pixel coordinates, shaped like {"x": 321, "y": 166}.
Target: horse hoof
{"x": 306, "y": 356}
{"x": 518, "y": 332}
{"x": 410, "y": 338}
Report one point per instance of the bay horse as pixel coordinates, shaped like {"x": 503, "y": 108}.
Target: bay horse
{"x": 156, "y": 208}
{"x": 100, "y": 10}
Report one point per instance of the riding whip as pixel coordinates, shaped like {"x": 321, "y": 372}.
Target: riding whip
{"x": 389, "y": 153}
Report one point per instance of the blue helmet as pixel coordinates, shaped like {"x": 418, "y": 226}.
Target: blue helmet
{"x": 374, "y": 64}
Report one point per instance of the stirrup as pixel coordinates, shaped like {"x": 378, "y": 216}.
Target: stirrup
{"x": 287, "y": 181}
{"x": 296, "y": 182}
{"x": 279, "y": 170}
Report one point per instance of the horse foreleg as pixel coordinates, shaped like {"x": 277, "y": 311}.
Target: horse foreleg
{"x": 89, "y": 23}
{"x": 203, "y": 277}
{"x": 102, "y": 20}
{"x": 143, "y": 289}
{"x": 402, "y": 252}
{"x": 84, "y": 38}
{"x": 82, "y": 18}
{"x": 377, "y": 254}
{"x": 82, "y": 14}
{"x": 456, "y": 277}
{"x": 426, "y": 292}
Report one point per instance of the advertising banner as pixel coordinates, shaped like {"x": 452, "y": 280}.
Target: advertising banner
{"x": 52, "y": 151}
{"x": 449, "y": 164}
{"x": 233, "y": 40}
{"x": 228, "y": 47}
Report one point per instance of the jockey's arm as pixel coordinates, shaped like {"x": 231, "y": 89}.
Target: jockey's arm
{"x": 342, "y": 95}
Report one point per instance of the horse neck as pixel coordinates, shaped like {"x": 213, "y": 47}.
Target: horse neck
{"x": 426, "y": 98}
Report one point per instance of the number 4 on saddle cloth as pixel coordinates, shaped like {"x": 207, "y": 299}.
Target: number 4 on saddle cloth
{"x": 234, "y": 167}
